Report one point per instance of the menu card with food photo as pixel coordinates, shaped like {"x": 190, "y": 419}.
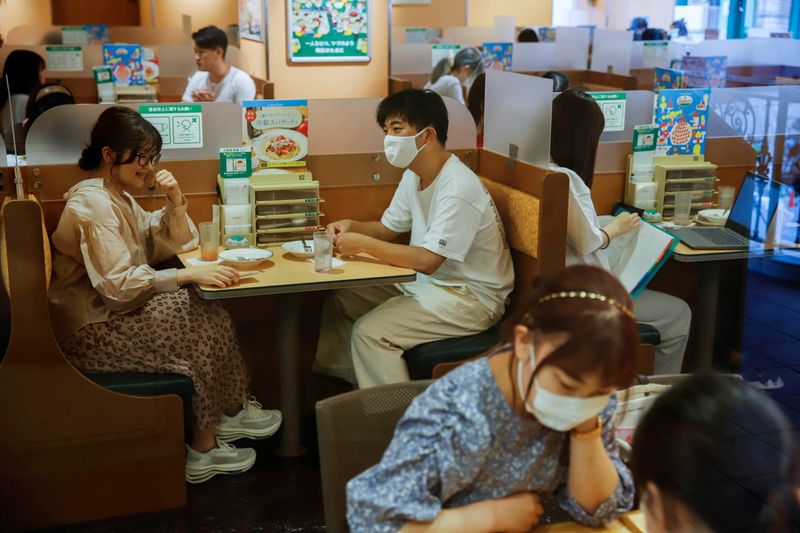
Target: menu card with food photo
{"x": 682, "y": 118}
{"x": 276, "y": 131}
{"x": 125, "y": 61}
{"x": 150, "y": 69}
{"x": 666, "y": 78}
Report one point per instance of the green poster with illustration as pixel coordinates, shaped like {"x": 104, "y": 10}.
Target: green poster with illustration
{"x": 328, "y": 30}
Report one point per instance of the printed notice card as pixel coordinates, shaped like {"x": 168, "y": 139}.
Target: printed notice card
{"x": 682, "y": 118}
{"x": 276, "y": 131}
{"x": 180, "y": 125}
{"x": 613, "y": 107}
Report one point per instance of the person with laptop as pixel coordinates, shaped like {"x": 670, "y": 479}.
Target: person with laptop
{"x": 575, "y": 133}
{"x": 746, "y": 226}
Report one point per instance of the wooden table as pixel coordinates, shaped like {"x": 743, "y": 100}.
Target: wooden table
{"x": 708, "y": 293}
{"x": 285, "y": 275}
{"x": 631, "y": 522}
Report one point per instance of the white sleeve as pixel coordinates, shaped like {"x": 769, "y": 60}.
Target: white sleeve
{"x": 190, "y": 87}
{"x": 582, "y": 234}
{"x": 397, "y": 216}
{"x": 454, "y": 90}
{"x": 245, "y": 88}
{"x": 454, "y": 228}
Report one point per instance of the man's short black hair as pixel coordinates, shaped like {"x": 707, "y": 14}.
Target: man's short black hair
{"x": 211, "y": 38}
{"x": 420, "y": 108}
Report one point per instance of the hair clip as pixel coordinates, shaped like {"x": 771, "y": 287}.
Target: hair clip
{"x": 585, "y": 295}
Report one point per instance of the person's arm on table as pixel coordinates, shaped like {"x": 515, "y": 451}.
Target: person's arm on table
{"x": 413, "y": 257}
{"x": 519, "y": 512}
{"x": 373, "y": 229}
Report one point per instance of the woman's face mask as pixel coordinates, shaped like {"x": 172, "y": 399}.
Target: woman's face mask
{"x": 401, "y": 150}
{"x": 557, "y": 411}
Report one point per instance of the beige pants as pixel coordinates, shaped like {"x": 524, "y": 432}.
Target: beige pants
{"x": 672, "y": 317}
{"x": 365, "y": 331}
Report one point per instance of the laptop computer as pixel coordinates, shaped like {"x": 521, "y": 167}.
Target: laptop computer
{"x": 747, "y": 223}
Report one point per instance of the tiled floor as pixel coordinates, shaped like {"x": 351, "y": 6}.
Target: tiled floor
{"x": 285, "y": 495}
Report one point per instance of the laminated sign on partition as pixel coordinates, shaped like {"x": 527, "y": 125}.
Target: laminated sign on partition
{"x": 180, "y": 125}
{"x": 64, "y": 58}
{"x": 443, "y": 51}
{"x": 613, "y": 107}
{"x": 276, "y": 131}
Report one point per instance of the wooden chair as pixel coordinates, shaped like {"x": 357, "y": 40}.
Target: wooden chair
{"x": 70, "y": 450}
{"x": 354, "y": 430}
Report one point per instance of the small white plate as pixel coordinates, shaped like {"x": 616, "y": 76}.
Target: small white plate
{"x": 244, "y": 258}
{"x": 296, "y": 248}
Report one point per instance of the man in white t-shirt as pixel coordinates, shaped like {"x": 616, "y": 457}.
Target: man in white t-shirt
{"x": 215, "y": 80}
{"x": 457, "y": 246}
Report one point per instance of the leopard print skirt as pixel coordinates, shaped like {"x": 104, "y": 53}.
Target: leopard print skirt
{"x": 175, "y": 332}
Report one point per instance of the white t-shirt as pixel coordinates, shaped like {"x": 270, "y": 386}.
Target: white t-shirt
{"x": 447, "y": 85}
{"x": 584, "y": 237}
{"x": 455, "y": 217}
{"x": 236, "y": 86}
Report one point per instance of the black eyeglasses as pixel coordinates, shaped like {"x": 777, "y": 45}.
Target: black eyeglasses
{"x": 143, "y": 159}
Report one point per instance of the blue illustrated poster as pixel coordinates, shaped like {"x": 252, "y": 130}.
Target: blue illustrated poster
{"x": 682, "y": 118}
{"x": 708, "y": 71}
{"x": 497, "y": 56}
{"x": 125, "y": 61}
{"x": 667, "y": 78}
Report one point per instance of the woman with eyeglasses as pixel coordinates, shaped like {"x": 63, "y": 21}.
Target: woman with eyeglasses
{"x": 114, "y": 310}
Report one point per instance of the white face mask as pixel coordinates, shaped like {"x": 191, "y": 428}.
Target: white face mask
{"x": 556, "y": 411}
{"x": 401, "y": 150}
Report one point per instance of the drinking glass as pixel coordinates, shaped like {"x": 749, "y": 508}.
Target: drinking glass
{"x": 209, "y": 241}
{"x": 323, "y": 251}
{"x": 683, "y": 208}
{"x": 726, "y": 194}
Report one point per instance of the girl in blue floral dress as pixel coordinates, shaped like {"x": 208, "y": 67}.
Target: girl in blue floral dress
{"x": 480, "y": 447}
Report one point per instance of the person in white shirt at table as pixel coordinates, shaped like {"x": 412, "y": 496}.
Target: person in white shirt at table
{"x": 457, "y": 246}
{"x": 453, "y": 76}
{"x": 216, "y": 80}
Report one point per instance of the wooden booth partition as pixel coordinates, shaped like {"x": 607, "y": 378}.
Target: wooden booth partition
{"x": 532, "y": 201}
{"x": 71, "y": 451}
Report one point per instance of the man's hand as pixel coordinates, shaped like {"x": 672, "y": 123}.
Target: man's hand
{"x": 203, "y": 96}
{"x": 348, "y": 244}
{"x": 340, "y": 226}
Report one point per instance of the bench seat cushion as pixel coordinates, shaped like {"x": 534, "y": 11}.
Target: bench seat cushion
{"x": 145, "y": 384}
{"x": 422, "y": 359}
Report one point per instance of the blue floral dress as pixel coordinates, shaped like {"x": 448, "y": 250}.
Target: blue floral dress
{"x": 459, "y": 443}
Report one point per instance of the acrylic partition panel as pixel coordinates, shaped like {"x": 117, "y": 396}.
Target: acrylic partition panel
{"x": 33, "y": 35}
{"x": 652, "y": 54}
{"x": 59, "y": 135}
{"x": 477, "y": 35}
{"x": 348, "y": 126}
{"x": 766, "y": 118}
{"x": 517, "y": 116}
{"x": 148, "y": 35}
{"x": 178, "y": 59}
{"x": 533, "y": 57}
{"x": 411, "y": 58}
{"x": 612, "y": 51}
{"x": 3, "y": 160}
{"x": 92, "y": 56}
{"x": 337, "y": 126}
{"x": 638, "y": 111}
{"x": 775, "y": 52}
{"x": 572, "y": 48}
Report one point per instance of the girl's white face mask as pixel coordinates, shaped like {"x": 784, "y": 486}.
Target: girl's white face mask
{"x": 401, "y": 150}
{"x": 557, "y": 411}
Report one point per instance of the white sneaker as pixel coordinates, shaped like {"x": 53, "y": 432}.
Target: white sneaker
{"x": 251, "y": 422}
{"x": 222, "y": 459}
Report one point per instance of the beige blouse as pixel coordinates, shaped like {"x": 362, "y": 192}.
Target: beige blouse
{"x": 105, "y": 245}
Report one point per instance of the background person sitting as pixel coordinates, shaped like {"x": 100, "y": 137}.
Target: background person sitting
{"x": 453, "y": 75}
{"x": 475, "y": 104}
{"x": 697, "y": 469}
{"x": 25, "y": 71}
{"x": 47, "y": 97}
{"x": 216, "y": 81}
{"x": 528, "y": 35}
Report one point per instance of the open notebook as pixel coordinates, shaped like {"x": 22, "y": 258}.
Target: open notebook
{"x": 636, "y": 257}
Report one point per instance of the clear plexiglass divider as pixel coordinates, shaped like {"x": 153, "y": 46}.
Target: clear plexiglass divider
{"x": 413, "y": 58}
{"x": 517, "y": 116}
{"x": 752, "y": 51}
{"x": 336, "y": 126}
{"x": 173, "y": 59}
{"x": 612, "y": 51}
{"x": 652, "y": 54}
{"x": 3, "y": 159}
{"x": 35, "y": 34}
{"x": 572, "y": 48}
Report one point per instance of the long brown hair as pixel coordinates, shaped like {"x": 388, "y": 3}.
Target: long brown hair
{"x": 575, "y": 132}
{"x": 601, "y": 335}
